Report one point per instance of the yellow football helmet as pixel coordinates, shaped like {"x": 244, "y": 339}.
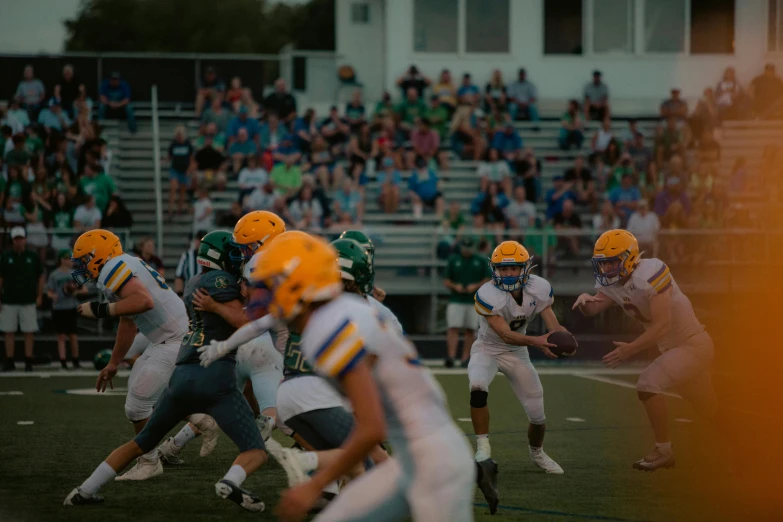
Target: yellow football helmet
{"x": 253, "y": 231}
{"x": 296, "y": 269}
{"x": 510, "y": 253}
{"x": 615, "y": 256}
{"x": 91, "y": 251}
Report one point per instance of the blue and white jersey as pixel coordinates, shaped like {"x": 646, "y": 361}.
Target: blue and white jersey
{"x": 345, "y": 331}
{"x": 168, "y": 320}
{"x": 386, "y": 315}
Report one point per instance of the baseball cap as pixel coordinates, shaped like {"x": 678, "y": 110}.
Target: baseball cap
{"x": 596, "y": 73}
{"x": 18, "y": 232}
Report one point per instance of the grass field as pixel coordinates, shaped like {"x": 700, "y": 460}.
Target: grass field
{"x": 596, "y": 429}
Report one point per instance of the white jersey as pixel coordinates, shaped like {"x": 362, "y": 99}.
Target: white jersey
{"x": 168, "y": 319}
{"x": 490, "y": 300}
{"x": 344, "y": 331}
{"x": 386, "y": 315}
{"x": 651, "y": 277}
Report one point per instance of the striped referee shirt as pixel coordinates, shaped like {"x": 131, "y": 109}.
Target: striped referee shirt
{"x": 187, "y": 266}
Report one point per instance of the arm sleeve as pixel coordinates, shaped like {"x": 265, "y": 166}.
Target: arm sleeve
{"x": 250, "y": 331}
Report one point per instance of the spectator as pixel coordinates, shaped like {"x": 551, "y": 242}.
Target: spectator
{"x": 286, "y": 178}
{"x": 645, "y": 226}
{"x": 389, "y": 180}
{"x": 70, "y": 90}
{"x": 607, "y": 219}
{"x": 625, "y": 198}
{"x": 230, "y": 218}
{"x": 97, "y": 184}
{"x": 520, "y": 212}
{"x": 242, "y": 121}
{"x": 675, "y": 107}
{"x": 115, "y": 95}
{"x": 117, "y": 215}
{"x": 596, "y": 103}
{"x": 53, "y": 117}
{"x": 445, "y": 92}
{"x": 522, "y": 97}
{"x": 667, "y": 198}
{"x": 355, "y": 112}
{"x": 61, "y": 290}
{"x": 30, "y": 92}
{"x": 423, "y": 187}
{"x": 217, "y": 115}
{"x": 466, "y": 90}
{"x": 766, "y": 91}
{"x": 22, "y": 284}
{"x": 439, "y": 118}
{"x": 361, "y": 150}
{"x": 495, "y": 88}
{"x": 83, "y": 105}
{"x": 494, "y": 170}
{"x": 467, "y": 140}
{"x": 262, "y": 198}
{"x": 669, "y": 142}
{"x": 87, "y": 216}
{"x": 305, "y": 130}
{"x": 272, "y": 133}
{"x": 145, "y": 250}
{"x": 384, "y": 109}
{"x": 425, "y": 143}
{"x": 251, "y": 178}
{"x": 451, "y": 226}
{"x": 37, "y": 238}
{"x": 581, "y": 180}
{"x": 211, "y": 131}
{"x": 555, "y": 197}
{"x": 203, "y": 213}
{"x": 211, "y": 88}
{"x": 706, "y": 116}
{"x": 305, "y": 210}
{"x": 241, "y": 149}
{"x": 180, "y": 158}
{"x": 18, "y": 156}
{"x": 61, "y": 218}
{"x": 210, "y": 165}
{"x": 571, "y": 127}
{"x": 328, "y": 173}
{"x": 490, "y": 204}
{"x": 239, "y": 96}
{"x": 187, "y": 267}
{"x": 613, "y": 155}
{"x": 709, "y": 148}
{"x": 625, "y": 137}
{"x": 281, "y": 102}
{"x": 16, "y": 118}
{"x": 348, "y": 204}
{"x": 287, "y": 152}
{"x": 528, "y": 170}
{"x": 565, "y": 220}
{"x": 336, "y": 131}
{"x": 465, "y": 272}
{"x": 15, "y": 190}
{"x": 602, "y": 136}
{"x": 508, "y": 143}
{"x": 729, "y": 96}
{"x": 411, "y": 108}
{"x": 641, "y": 155}
{"x": 413, "y": 79}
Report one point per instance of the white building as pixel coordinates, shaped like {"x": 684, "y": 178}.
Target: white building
{"x": 643, "y": 47}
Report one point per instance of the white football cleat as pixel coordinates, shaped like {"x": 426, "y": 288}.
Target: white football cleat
{"x": 169, "y": 453}
{"x": 265, "y": 425}
{"x": 143, "y": 470}
{"x": 545, "y": 462}
{"x": 483, "y": 451}
{"x": 289, "y": 461}
{"x": 209, "y": 430}
{"x": 657, "y": 459}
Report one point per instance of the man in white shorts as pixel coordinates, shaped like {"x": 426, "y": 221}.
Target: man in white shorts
{"x": 140, "y": 297}
{"x": 465, "y": 273}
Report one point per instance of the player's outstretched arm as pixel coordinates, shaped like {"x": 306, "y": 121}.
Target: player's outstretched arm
{"x": 511, "y": 337}
{"x": 591, "y": 305}
{"x": 218, "y": 349}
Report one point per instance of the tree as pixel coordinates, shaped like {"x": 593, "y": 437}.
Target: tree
{"x": 200, "y": 26}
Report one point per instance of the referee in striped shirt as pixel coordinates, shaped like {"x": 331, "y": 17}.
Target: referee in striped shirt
{"x": 187, "y": 266}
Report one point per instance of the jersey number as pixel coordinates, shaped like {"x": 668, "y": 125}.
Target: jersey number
{"x": 633, "y": 311}
{"x": 156, "y": 275}
{"x": 516, "y": 324}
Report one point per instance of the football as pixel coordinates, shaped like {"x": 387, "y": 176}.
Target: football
{"x": 566, "y": 344}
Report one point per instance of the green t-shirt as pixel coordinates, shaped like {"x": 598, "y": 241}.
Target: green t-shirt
{"x": 383, "y": 110}
{"x": 408, "y": 111}
{"x": 15, "y": 189}
{"x": 62, "y": 219}
{"x": 617, "y": 176}
{"x": 34, "y": 145}
{"x": 439, "y": 118}
{"x": 465, "y": 271}
{"x": 17, "y": 157}
{"x": 20, "y": 273}
{"x": 101, "y": 186}
{"x": 284, "y": 178}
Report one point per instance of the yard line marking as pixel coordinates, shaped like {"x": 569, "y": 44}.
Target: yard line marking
{"x": 561, "y": 513}
{"x": 683, "y": 420}
{"x": 11, "y": 393}
{"x": 575, "y": 419}
{"x": 25, "y": 423}
{"x": 464, "y": 419}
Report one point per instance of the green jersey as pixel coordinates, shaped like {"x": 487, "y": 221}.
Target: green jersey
{"x": 203, "y": 327}
{"x": 466, "y": 271}
{"x": 294, "y": 363}
{"x": 101, "y": 186}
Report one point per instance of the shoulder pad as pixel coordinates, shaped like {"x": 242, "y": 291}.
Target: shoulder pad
{"x": 116, "y": 272}
{"x": 539, "y": 288}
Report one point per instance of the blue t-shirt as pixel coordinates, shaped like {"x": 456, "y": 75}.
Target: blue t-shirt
{"x": 50, "y": 120}
{"x": 348, "y": 202}
{"x": 619, "y": 194}
{"x": 250, "y": 124}
{"x": 465, "y": 90}
{"x": 248, "y": 148}
{"x": 115, "y": 93}
{"x": 394, "y": 179}
{"x": 555, "y": 206}
{"x": 425, "y": 188}
{"x": 507, "y": 142}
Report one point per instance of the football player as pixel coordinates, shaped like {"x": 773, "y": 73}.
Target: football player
{"x": 194, "y": 389}
{"x": 506, "y": 306}
{"x": 363, "y": 239}
{"x": 647, "y": 291}
{"x": 140, "y": 297}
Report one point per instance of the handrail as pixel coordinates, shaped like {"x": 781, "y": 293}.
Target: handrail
{"x": 157, "y": 173}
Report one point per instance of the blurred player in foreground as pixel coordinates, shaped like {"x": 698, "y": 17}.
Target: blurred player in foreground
{"x": 506, "y": 305}
{"x": 646, "y": 291}
{"x": 140, "y": 297}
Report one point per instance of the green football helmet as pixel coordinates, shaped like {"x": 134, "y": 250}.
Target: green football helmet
{"x": 354, "y": 263}
{"x": 366, "y": 243}
{"x": 213, "y": 252}
{"x": 101, "y": 359}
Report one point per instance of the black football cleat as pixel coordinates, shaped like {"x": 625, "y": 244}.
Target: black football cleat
{"x": 487, "y": 481}
{"x": 75, "y": 498}
{"x": 241, "y": 497}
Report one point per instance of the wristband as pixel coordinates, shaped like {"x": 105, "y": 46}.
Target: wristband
{"x": 101, "y": 310}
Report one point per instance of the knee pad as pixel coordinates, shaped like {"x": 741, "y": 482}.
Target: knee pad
{"x": 534, "y": 408}
{"x": 478, "y": 398}
{"x": 645, "y": 395}
{"x": 137, "y": 410}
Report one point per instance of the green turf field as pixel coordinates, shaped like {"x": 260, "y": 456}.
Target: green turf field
{"x": 596, "y": 430}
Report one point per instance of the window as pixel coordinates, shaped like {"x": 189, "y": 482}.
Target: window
{"x": 712, "y": 26}
{"x": 435, "y": 26}
{"x": 487, "y": 26}
{"x": 612, "y": 26}
{"x": 664, "y": 26}
{"x": 775, "y": 26}
{"x": 360, "y": 13}
{"x": 562, "y": 26}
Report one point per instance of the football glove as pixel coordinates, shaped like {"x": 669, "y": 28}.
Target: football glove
{"x": 212, "y": 352}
